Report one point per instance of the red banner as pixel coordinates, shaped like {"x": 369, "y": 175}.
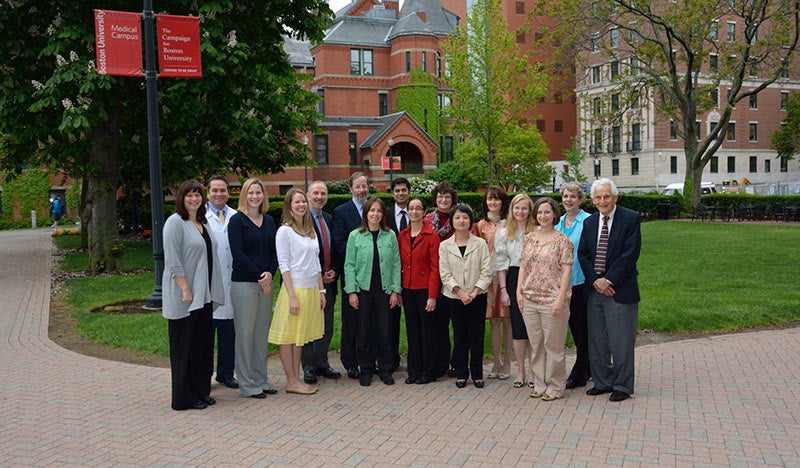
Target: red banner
{"x": 397, "y": 163}
{"x": 118, "y": 37}
{"x": 179, "y": 46}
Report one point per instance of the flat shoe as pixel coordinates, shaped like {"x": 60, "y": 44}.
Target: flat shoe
{"x": 259, "y": 396}
{"x": 199, "y": 404}
{"x": 298, "y": 391}
{"x": 208, "y": 400}
{"x": 410, "y": 380}
{"x": 547, "y": 397}
{"x": 518, "y": 384}
{"x": 491, "y": 375}
{"x": 270, "y": 391}
{"x": 478, "y": 383}
{"x": 618, "y": 395}
{"x": 535, "y": 394}
{"x": 594, "y": 391}
{"x": 461, "y": 383}
{"x": 530, "y": 384}
{"x": 503, "y": 376}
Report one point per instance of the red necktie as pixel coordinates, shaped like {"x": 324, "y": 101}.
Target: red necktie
{"x": 602, "y": 247}
{"x": 326, "y": 249}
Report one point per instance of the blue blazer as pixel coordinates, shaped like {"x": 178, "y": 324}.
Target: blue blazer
{"x": 345, "y": 219}
{"x": 624, "y": 244}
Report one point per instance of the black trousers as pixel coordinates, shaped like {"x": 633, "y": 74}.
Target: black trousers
{"x": 422, "y": 342}
{"x": 374, "y": 333}
{"x": 315, "y": 354}
{"x": 349, "y": 343}
{"x": 226, "y": 347}
{"x": 469, "y": 327}
{"x": 191, "y": 357}
{"x": 518, "y": 329}
{"x": 580, "y": 334}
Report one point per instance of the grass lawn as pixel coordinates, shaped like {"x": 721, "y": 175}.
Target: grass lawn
{"x": 694, "y": 277}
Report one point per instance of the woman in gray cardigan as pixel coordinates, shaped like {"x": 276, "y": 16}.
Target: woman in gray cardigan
{"x": 192, "y": 286}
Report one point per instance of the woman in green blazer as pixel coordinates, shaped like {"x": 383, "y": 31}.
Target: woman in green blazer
{"x": 372, "y": 281}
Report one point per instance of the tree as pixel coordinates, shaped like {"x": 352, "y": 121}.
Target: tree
{"x": 677, "y": 58}
{"x": 242, "y": 116}
{"x": 574, "y": 157}
{"x": 493, "y": 83}
{"x": 786, "y": 141}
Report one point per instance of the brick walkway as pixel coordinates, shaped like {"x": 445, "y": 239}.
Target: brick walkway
{"x": 720, "y": 401}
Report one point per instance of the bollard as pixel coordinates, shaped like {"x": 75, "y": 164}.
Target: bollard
{"x": 33, "y": 219}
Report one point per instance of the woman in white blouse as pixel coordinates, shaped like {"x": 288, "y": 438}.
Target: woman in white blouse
{"x": 298, "y": 311}
{"x": 507, "y": 247}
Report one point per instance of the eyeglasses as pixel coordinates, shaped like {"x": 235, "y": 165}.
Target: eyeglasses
{"x": 444, "y": 195}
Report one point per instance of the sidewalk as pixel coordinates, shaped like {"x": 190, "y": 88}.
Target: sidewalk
{"x": 719, "y": 401}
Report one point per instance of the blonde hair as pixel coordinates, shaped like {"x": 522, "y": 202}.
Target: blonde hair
{"x": 243, "y": 196}
{"x": 511, "y": 223}
{"x": 306, "y": 226}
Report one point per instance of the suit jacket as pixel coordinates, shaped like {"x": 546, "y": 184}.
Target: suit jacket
{"x": 391, "y": 221}
{"x": 334, "y": 257}
{"x": 345, "y": 219}
{"x": 420, "y": 262}
{"x": 624, "y": 244}
{"x": 467, "y": 271}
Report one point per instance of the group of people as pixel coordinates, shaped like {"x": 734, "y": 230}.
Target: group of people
{"x": 523, "y": 267}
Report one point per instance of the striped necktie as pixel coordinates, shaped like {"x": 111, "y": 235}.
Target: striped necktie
{"x": 602, "y": 248}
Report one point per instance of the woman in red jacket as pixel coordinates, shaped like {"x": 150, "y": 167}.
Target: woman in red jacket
{"x": 419, "y": 275}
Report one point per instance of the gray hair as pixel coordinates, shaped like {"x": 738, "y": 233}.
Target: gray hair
{"x": 605, "y": 183}
{"x": 575, "y": 188}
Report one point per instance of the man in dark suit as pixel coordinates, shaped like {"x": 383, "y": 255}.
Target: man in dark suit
{"x": 314, "y": 357}
{"x": 347, "y": 217}
{"x": 397, "y": 221}
{"x": 608, "y": 252}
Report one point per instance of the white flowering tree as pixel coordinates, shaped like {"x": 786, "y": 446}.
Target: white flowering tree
{"x": 242, "y": 116}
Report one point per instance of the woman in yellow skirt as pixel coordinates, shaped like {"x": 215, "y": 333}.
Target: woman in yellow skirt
{"x": 298, "y": 311}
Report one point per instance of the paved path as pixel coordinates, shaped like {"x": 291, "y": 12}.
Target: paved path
{"x": 720, "y": 401}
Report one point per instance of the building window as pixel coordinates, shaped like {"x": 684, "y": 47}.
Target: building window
{"x": 596, "y": 42}
{"x": 715, "y": 97}
{"x": 731, "y": 163}
{"x": 784, "y": 101}
{"x": 361, "y": 62}
{"x": 753, "y": 133}
{"x": 635, "y": 96}
{"x": 596, "y": 106}
{"x": 321, "y": 149}
{"x": 438, "y": 65}
{"x": 730, "y": 135}
{"x": 425, "y": 62}
{"x": 597, "y": 164}
{"x": 767, "y": 165}
{"x": 784, "y": 73}
{"x": 784, "y": 165}
{"x": 448, "y": 148}
{"x": 558, "y": 126}
{"x": 714, "y": 165}
{"x": 283, "y": 189}
{"x": 753, "y": 164}
{"x": 673, "y": 130}
{"x": 596, "y": 74}
{"x": 520, "y": 8}
{"x": 352, "y": 144}
{"x": 541, "y": 125}
{"x": 731, "y": 32}
{"x": 636, "y": 137}
{"x": 615, "y": 167}
{"x": 713, "y": 33}
{"x": 614, "y": 36}
{"x": 673, "y": 164}
{"x": 713, "y": 62}
{"x": 616, "y": 139}
{"x": 598, "y": 140}
{"x": 615, "y": 102}
{"x": 754, "y": 101}
{"x": 520, "y": 37}
{"x": 321, "y": 102}
{"x": 634, "y": 166}
{"x": 698, "y": 129}
{"x": 614, "y": 69}
{"x": 408, "y": 62}
{"x": 383, "y": 103}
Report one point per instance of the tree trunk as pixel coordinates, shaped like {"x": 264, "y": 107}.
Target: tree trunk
{"x": 101, "y": 184}
{"x": 694, "y": 175}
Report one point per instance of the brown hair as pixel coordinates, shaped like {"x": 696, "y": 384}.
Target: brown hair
{"x": 553, "y": 206}
{"x": 306, "y": 226}
{"x": 497, "y": 192}
{"x": 364, "y": 224}
{"x": 444, "y": 187}
{"x": 190, "y": 186}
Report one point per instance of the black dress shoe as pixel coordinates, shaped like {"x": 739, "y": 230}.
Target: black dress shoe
{"x": 423, "y": 380}
{"x": 352, "y": 372}
{"x": 410, "y": 380}
{"x": 328, "y": 373}
{"x": 309, "y": 377}
{"x": 259, "y": 396}
{"x": 208, "y": 401}
{"x": 270, "y": 391}
{"x": 594, "y": 391}
{"x": 618, "y": 395}
{"x": 461, "y": 383}
{"x": 572, "y": 383}
{"x": 199, "y": 404}
{"x": 365, "y": 380}
{"x": 478, "y": 383}
{"x": 387, "y": 379}
{"x": 229, "y": 382}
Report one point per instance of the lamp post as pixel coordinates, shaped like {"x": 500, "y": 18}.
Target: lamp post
{"x": 596, "y": 167}
{"x": 305, "y": 159}
{"x": 391, "y": 160}
{"x": 554, "y": 179}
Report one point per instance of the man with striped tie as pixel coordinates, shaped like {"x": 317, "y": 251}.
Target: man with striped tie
{"x": 608, "y": 252}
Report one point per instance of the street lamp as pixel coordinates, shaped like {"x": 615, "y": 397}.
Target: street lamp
{"x": 305, "y": 159}
{"x": 391, "y": 160}
{"x": 554, "y": 179}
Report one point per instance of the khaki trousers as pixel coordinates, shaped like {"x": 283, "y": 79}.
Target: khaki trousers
{"x": 548, "y": 337}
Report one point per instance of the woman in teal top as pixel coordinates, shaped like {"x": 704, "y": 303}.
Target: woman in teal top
{"x": 372, "y": 281}
{"x": 571, "y": 224}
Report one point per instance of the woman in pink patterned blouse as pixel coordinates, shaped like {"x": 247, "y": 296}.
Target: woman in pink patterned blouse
{"x": 543, "y": 293}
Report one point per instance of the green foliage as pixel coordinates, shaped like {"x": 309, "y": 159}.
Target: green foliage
{"x": 420, "y": 99}
{"x": 455, "y": 172}
{"x": 421, "y": 185}
{"x": 574, "y": 157}
{"x": 27, "y": 192}
{"x": 786, "y": 140}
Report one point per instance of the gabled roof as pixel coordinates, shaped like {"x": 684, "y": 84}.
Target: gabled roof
{"x": 437, "y": 18}
{"x": 410, "y": 25}
{"x": 299, "y": 52}
{"x": 387, "y": 122}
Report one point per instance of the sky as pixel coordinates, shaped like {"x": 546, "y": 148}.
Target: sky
{"x": 336, "y": 5}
